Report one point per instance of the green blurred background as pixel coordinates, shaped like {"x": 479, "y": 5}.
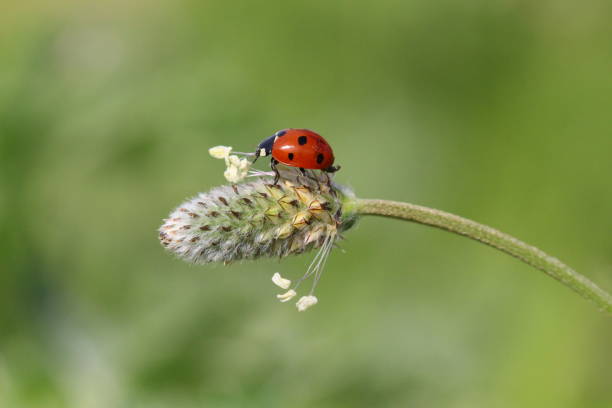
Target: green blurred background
{"x": 499, "y": 111}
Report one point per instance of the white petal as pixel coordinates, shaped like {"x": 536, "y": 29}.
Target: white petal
{"x": 220, "y": 152}
{"x": 305, "y": 302}
{"x": 280, "y": 281}
{"x": 287, "y": 296}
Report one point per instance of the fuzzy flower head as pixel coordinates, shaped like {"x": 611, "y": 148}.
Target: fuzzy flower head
{"x": 257, "y": 218}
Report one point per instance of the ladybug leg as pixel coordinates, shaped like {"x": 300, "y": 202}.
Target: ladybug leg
{"x": 303, "y": 174}
{"x": 273, "y": 164}
{"x": 329, "y": 184}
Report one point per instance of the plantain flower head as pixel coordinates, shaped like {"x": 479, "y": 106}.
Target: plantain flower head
{"x": 256, "y": 218}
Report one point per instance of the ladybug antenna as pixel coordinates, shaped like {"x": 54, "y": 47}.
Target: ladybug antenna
{"x": 256, "y": 154}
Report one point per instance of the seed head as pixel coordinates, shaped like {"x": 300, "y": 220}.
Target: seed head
{"x": 303, "y": 211}
{"x": 258, "y": 219}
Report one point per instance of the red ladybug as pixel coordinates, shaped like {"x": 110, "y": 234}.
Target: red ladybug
{"x": 301, "y": 148}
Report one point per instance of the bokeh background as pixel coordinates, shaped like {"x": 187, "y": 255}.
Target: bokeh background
{"x": 499, "y": 111}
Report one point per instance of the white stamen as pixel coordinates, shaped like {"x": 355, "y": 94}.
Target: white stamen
{"x": 280, "y": 281}
{"x": 231, "y": 175}
{"x": 287, "y": 296}
{"x": 317, "y": 264}
{"x": 322, "y": 261}
{"x": 305, "y": 302}
{"x": 237, "y": 168}
{"x": 220, "y": 152}
{"x": 233, "y": 160}
{"x": 259, "y": 173}
{"x": 244, "y": 164}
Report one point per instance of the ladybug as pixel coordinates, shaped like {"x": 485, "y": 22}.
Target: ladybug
{"x": 301, "y": 148}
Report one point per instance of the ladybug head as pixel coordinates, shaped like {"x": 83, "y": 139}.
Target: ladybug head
{"x": 265, "y": 147}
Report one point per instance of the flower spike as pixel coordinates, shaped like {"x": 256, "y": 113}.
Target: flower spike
{"x": 254, "y": 219}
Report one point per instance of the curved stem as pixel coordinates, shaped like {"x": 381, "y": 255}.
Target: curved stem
{"x": 490, "y": 236}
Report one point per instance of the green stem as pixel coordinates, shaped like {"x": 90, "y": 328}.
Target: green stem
{"x": 490, "y": 236}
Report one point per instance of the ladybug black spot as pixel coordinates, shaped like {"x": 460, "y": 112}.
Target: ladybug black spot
{"x": 320, "y": 158}
{"x": 290, "y": 156}
{"x": 302, "y": 140}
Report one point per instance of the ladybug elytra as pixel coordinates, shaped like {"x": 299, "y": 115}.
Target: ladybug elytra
{"x": 301, "y": 148}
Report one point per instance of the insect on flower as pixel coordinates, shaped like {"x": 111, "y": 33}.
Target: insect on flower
{"x": 301, "y": 148}
{"x": 274, "y": 214}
